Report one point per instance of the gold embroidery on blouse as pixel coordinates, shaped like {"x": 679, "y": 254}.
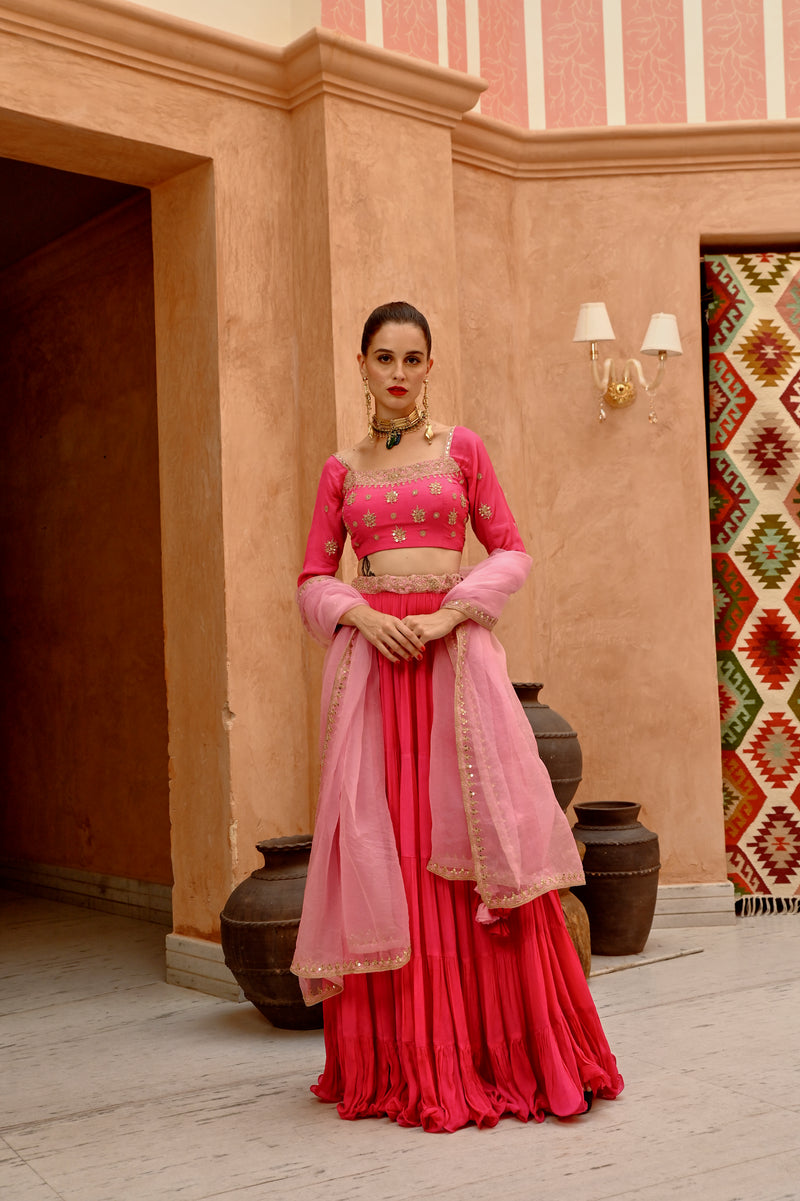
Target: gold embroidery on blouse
{"x": 391, "y": 497}
{"x": 436, "y": 487}
{"x": 399, "y": 534}
{"x": 464, "y": 502}
{"x": 412, "y": 473}
{"x": 331, "y": 547}
{"x": 436, "y": 517}
{"x": 369, "y": 518}
{"x": 348, "y": 500}
{"x": 418, "y": 514}
{"x": 452, "y": 517}
{"x": 485, "y": 510}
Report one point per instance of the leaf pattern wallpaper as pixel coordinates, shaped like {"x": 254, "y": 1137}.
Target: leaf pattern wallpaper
{"x": 555, "y": 63}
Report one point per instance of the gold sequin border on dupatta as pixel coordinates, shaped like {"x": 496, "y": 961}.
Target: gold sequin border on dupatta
{"x": 337, "y": 691}
{"x": 317, "y": 975}
{"x": 466, "y": 766}
{"x": 473, "y": 611}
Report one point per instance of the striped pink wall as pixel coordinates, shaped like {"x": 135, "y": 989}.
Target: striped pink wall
{"x": 574, "y": 63}
{"x": 570, "y": 63}
{"x": 655, "y": 62}
{"x": 501, "y": 25}
{"x": 791, "y": 51}
{"x": 456, "y": 34}
{"x": 411, "y": 28}
{"x": 735, "y": 74}
{"x": 345, "y": 16}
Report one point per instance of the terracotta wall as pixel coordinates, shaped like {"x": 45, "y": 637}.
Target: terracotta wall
{"x": 293, "y": 190}
{"x": 84, "y": 722}
{"x": 618, "y": 619}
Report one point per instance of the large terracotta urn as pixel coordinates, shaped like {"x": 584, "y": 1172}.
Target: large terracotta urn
{"x": 259, "y": 930}
{"x": 621, "y": 865}
{"x": 557, "y": 742}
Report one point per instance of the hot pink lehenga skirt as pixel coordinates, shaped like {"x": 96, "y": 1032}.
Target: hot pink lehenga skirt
{"x": 483, "y": 1021}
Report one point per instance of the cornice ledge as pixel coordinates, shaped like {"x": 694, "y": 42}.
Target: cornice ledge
{"x": 284, "y": 77}
{"x": 634, "y": 149}
{"x": 325, "y": 61}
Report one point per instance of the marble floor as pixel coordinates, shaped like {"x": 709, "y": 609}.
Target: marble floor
{"x": 119, "y": 1087}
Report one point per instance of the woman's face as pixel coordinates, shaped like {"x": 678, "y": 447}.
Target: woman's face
{"x": 395, "y": 366}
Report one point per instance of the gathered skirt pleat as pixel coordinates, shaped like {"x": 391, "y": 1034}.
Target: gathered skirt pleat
{"x": 484, "y": 1020}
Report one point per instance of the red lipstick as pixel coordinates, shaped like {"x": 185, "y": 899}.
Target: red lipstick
{"x": 397, "y": 391}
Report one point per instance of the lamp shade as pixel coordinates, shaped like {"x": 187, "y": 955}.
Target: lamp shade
{"x": 593, "y": 324}
{"x": 662, "y": 334}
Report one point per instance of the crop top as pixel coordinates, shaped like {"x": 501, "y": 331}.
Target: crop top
{"x": 420, "y": 504}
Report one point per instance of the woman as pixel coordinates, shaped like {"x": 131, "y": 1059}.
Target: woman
{"x": 432, "y": 929}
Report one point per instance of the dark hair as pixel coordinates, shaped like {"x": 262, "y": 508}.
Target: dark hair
{"x": 399, "y": 312}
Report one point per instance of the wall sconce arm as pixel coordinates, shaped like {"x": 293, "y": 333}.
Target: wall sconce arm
{"x": 662, "y": 340}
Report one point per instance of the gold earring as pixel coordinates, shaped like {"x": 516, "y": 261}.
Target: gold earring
{"x": 425, "y": 417}
{"x": 368, "y": 402}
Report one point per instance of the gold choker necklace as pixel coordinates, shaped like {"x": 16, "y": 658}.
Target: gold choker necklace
{"x": 396, "y": 427}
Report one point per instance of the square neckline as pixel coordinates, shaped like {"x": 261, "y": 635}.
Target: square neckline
{"x": 444, "y": 457}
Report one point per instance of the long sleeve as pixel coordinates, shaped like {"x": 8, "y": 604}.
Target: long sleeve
{"x": 327, "y": 535}
{"x": 490, "y": 515}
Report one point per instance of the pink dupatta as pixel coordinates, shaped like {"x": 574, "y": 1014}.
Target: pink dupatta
{"x": 495, "y": 817}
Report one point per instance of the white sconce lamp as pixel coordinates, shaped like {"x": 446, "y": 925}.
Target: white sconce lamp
{"x": 662, "y": 339}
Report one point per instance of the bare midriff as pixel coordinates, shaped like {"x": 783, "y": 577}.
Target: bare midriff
{"x": 415, "y": 560}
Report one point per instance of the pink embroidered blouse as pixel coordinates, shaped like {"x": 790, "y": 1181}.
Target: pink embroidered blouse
{"x": 421, "y": 504}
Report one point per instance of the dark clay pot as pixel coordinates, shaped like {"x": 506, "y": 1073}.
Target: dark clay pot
{"x": 621, "y": 865}
{"x": 558, "y": 744}
{"x": 259, "y": 930}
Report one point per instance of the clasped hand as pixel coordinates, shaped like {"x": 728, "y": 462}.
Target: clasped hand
{"x": 401, "y": 637}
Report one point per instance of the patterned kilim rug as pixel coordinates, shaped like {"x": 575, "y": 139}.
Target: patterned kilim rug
{"x": 754, "y": 447}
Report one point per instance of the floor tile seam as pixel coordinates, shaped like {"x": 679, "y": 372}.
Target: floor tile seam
{"x": 123, "y": 992}
{"x": 697, "y": 1174}
{"x": 607, "y": 1008}
{"x": 614, "y": 1193}
{"x": 31, "y": 1168}
{"x": 197, "y": 1096}
{"x": 746, "y": 1090}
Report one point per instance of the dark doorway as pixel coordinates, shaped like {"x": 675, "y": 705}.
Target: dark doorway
{"x": 83, "y": 737}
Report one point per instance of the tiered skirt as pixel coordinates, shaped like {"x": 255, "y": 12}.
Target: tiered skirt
{"x": 484, "y": 1020}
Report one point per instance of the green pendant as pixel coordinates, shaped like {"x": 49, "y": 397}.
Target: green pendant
{"x": 393, "y": 439}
